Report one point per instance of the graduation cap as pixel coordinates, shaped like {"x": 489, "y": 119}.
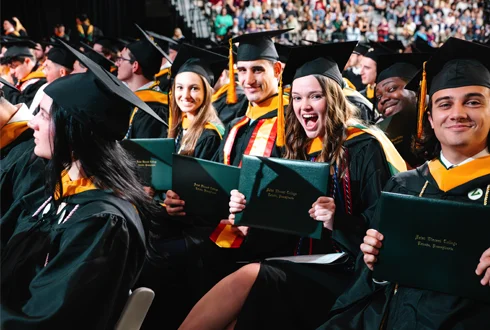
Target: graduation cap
{"x": 97, "y": 57}
{"x": 155, "y": 45}
{"x": 422, "y": 46}
{"x": 361, "y": 49}
{"x": 327, "y": 60}
{"x": 457, "y": 63}
{"x": 404, "y": 65}
{"x": 380, "y": 48}
{"x": 62, "y": 56}
{"x": 257, "y": 46}
{"x": 283, "y": 51}
{"x": 201, "y": 61}
{"x": 105, "y": 103}
{"x": 16, "y": 48}
{"x": 113, "y": 44}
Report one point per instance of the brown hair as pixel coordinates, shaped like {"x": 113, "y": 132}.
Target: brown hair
{"x": 339, "y": 110}
{"x": 206, "y": 113}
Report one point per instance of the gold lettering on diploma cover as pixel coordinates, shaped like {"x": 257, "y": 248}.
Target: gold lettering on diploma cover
{"x": 281, "y": 194}
{"x": 205, "y": 189}
{"x": 146, "y": 163}
{"x": 435, "y": 243}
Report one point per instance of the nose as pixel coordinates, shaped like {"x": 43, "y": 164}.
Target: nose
{"x": 32, "y": 123}
{"x": 458, "y": 112}
{"x": 384, "y": 98}
{"x": 187, "y": 93}
{"x": 249, "y": 78}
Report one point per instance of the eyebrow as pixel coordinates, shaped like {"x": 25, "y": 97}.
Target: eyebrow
{"x": 312, "y": 92}
{"x": 388, "y": 82}
{"x": 255, "y": 67}
{"x": 466, "y": 96}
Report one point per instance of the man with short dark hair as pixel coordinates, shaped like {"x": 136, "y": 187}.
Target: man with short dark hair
{"x": 24, "y": 67}
{"x": 137, "y": 66}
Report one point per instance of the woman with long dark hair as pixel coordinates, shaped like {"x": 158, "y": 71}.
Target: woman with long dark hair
{"x": 321, "y": 126}
{"x": 78, "y": 246}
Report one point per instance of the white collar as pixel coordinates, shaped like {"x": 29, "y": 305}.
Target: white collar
{"x": 145, "y": 86}
{"x": 448, "y": 164}
{"x": 22, "y": 114}
{"x": 166, "y": 65}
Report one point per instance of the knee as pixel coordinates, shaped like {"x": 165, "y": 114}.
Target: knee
{"x": 247, "y": 275}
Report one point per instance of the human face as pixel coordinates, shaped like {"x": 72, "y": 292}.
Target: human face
{"x": 77, "y": 68}
{"x": 20, "y": 70}
{"x": 309, "y": 105}
{"x": 393, "y": 97}
{"x": 189, "y": 92}
{"x": 39, "y": 52}
{"x": 52, "y": 71}
{"x": 258, "y": 79}
{"x": 368, "y": 71}
{"x": 460, "y": 118}
{"x": 43, "y": 129}
{"x": 124, "y": 65}
{"x": 7, "y": 26}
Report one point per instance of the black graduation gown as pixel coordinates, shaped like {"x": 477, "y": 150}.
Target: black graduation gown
{"x": 365, "y": 303}
{"x": 228, "y": 112}
{"x": 242, "y": 139}
{"x": 366, "y": 108}
{"x": 206, "y": 145}
{"x": 145, "y": 126}
{"x": 21, "y": 174}
{"x": 290, "y": 295}
{"x": 73, "y": 275}
{"x": 15, "y": 96}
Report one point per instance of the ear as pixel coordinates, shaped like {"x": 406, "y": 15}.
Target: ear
{"x": 63, "y": 72}
{"x": 429, "y": 116}
{"x": 277, "y": 69}
{"x": 136, "y": 67}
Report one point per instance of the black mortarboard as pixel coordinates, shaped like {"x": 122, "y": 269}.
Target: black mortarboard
{"x": 156, "y": 47}
{"x": 327, "y": 60}
{"x": 98, "y": 58}
{"x": 112, "y": 44}
{"x": 422, "y": 46}
{"x": 283, "y": 51}
{"x": 62, "y": 56}
{"x": 257, "y": 46}
{"x": 404, "y": 65}
{"x": 201, "y": 61}
{"x": 105, "y": 104}
{"x": 163, "y": 41}
{"x": 361, "y": 49}
{"x": 377, "y": 49}
{"x": 17, "y": 47}
{"x": 457, "y": 63}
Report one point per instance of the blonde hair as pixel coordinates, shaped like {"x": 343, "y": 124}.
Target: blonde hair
{"x": 205, "y": 114}
{"x": 340, "y": 113}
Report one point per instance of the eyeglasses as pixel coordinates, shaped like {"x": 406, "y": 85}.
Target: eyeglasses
{"x": 119, "y": 59}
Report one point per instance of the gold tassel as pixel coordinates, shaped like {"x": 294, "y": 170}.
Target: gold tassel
{"x": 422, "y": 97}
{"x": 280, "y": 140}
{"x": 231, "y": 94}
{"x": 170, "y": 124}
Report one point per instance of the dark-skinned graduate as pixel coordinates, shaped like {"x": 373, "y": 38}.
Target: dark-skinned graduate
{"x": 78, "y": 247}
{"x": 398, "y": 105}
{"x": 454, "y": 137}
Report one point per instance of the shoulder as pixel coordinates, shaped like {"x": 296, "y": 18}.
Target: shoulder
{"x": 408, "y": 182}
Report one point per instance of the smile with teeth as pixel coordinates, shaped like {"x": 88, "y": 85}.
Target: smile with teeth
{"x": 310, "y": 120}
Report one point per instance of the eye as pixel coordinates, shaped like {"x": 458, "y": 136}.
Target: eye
{"x": 178, "y": 87}
{"x": 473, "y": 103}
{"x": 317, "y": 96}
{"x": 444, "y": 105}
{"x": 391, "y": 89}
{"x": 194, "y": 88}
{"x": 241, "y": 70}
{"x": 296, "y": 98}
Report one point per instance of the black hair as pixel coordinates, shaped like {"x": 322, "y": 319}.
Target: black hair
{"x": 146, "y": 74}
{"x": 108, "y": 165}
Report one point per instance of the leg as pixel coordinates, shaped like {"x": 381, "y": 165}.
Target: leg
{"x": 221, "y": 305}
